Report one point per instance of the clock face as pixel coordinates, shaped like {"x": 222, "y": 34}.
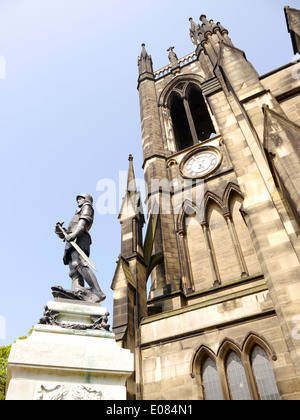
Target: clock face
{"x": 201, "y": 163}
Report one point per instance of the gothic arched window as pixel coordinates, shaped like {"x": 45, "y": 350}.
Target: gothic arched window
{"x": 211, "y": 381}
{"x": 237, "y": 372}
{"x": 201, "y": 118}
{"x": 236, "y": 377}
{"x": 181, "y": 128}
{"x": 263, "y": 375}
{"x": 191, "y": 120}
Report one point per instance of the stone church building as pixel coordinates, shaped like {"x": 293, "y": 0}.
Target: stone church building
{"x": 209, "y": 300}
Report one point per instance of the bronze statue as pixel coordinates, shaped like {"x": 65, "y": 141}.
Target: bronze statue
{"x": 77, "y": 251}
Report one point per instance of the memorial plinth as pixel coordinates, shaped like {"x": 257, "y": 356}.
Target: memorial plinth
{"x": 75, "y": 358}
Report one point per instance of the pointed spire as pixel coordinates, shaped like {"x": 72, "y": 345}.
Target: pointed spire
{"x": 131, "y": 184}
{"x": 145, "y": 62}
{"x": 194, "y": 29}
{"x": 131, "y": 216}
{"x": 293, "y": 24}
{"x": 196, "y": 33}
{"x": 144, "y": 53}
{"x": 131, "y": 204}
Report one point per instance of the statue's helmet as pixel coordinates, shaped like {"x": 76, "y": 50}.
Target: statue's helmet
{"x": 87, "y": 197}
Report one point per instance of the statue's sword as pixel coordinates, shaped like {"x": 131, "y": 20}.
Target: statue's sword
{"x": 78, "y": 249}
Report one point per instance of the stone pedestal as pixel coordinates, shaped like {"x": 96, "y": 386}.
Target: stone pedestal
{"x": 61, "y": 363}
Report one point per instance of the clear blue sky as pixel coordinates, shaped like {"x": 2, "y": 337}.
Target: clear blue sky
{"x": 69, "y": 113}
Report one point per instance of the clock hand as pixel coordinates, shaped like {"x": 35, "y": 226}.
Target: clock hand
{"x": 201, "y": 164}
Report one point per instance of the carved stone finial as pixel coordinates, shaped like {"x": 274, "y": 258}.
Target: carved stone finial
{"x": 196, "y": 33}
{"x": 222, "y": 29}
{"x": 144, "y": 52}
{"x": 206, "y": 25}
{"x": 145, "y": 62}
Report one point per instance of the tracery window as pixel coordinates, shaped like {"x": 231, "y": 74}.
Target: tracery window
{"x": 191, "y": 120}
{"x": 263, "y": 375}
{"x": 181, "y": 128}
{"x": 211, "y": 380}
{"x": 236, "y": 376}
{"x": 217, "y": 243}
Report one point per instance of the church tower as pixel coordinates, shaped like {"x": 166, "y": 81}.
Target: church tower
{"x": 221, "y": 160}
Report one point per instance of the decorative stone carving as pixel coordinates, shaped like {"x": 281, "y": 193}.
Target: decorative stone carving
{"x": 50, "y": 317}
{"x": 67, "y": 392}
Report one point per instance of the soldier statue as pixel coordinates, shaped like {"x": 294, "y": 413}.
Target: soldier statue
{"x": 77, "y": 251}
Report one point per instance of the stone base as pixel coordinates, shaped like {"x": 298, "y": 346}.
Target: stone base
{"x": 59, "y": 363}
{"x": 76, "y": 315}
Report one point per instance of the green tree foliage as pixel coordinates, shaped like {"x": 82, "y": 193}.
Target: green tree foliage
{"x": 4, "y": 354}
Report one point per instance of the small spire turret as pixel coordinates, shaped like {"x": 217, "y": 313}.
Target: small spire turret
{"x": 199, "y": 33}
{"x": 194, "y": 32}
{"x": 208, "y": 36}
{"x": 206, "y": 26}
{"x": 131, "y": 216}
{"x": 145, "y": 64}
{"x": 131, "y": 184}
{"x": 222, "y": 29}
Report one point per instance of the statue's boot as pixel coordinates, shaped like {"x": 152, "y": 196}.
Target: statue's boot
{"x": 92, "y": 281}
{"x": 77, "y": 281}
